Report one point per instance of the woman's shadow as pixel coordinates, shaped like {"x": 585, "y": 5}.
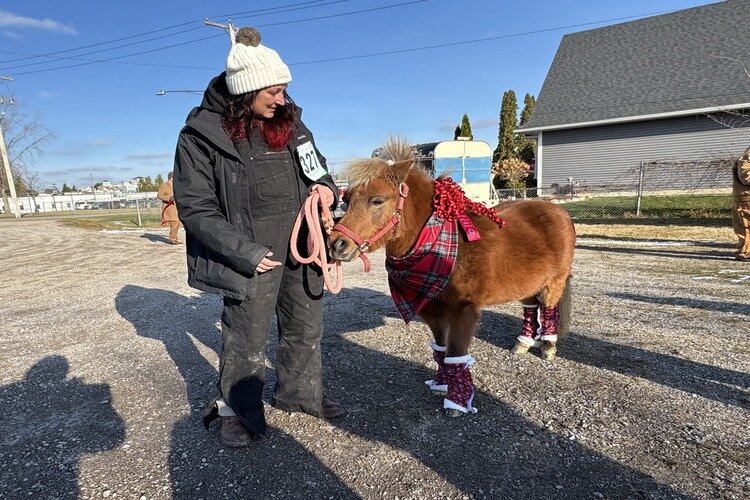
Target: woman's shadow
{"x": 48, "y": 422}
{"x": 199, "y": 465}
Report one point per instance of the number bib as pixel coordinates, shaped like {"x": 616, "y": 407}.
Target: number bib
{"x": 311, "y": 167}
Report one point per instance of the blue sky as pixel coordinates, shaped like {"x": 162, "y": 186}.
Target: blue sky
{"x": 361, "y": 69}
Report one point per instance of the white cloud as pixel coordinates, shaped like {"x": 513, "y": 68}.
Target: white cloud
{"x": 12, "y": 20}
{"x": 11, "y": 34}
{"x": 85, "y": 170}
{"x": 486, "y": 123}
{"x": 148, "y": 156}
{"x": 48, "y": 94}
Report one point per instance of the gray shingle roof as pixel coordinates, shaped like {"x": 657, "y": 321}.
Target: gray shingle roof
{"x": 674, "y": 62}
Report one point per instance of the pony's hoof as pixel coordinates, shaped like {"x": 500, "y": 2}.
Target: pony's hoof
{"x": 549, "y": 350}
{"x": 437, "y": 389}
{"x": 520, "y": 348}
{"x": 450, "y": 412}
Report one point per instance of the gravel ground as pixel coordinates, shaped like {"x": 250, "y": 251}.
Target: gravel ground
{"x": 107, "y": 357}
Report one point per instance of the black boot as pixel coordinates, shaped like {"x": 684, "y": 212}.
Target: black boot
{"x": 331, "y": 409}
{"x": 328, "y": 409}
{"x": 233, "y": 434}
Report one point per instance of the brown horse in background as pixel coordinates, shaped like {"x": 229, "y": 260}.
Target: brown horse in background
{"x": 528, "y": 260}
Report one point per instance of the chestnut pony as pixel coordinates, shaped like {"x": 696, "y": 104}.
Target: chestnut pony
{"x": 527, "y": 258}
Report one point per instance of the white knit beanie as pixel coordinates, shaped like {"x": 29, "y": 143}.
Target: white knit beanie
{"x": 252, "y": 66}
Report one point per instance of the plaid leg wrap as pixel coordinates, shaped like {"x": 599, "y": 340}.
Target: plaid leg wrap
{"x": 530, "y": 329}
{"x": 530, "y": 325}
{"x": 460, "y": 386}
{"x": 550, "y": 319}
{"x": 440, "y": 382}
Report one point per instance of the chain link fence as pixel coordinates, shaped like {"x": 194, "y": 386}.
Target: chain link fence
{"x": 69, "y": 203}
{"x": 659, "y": 189}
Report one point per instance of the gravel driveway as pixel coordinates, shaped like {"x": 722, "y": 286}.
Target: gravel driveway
{"x": 107, "y": 357}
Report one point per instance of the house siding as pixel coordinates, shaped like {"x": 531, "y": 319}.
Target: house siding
{"x": 601, "y": 155}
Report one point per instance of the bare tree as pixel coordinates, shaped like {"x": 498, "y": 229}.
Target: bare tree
{"x": 24, "y": 136}
{"x": 731, "y": 118}
{"x": 33, "y": 181}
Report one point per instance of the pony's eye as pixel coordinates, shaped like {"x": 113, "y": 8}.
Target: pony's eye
{"x": 377, "y": 201}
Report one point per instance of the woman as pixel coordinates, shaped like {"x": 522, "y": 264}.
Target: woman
{"x": 245, "y": 163}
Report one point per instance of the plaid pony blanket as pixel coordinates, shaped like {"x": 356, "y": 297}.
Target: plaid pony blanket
{"x": 421, "y": 275}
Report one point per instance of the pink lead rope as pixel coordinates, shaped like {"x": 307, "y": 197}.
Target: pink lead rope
{"x": 316, "y": 241}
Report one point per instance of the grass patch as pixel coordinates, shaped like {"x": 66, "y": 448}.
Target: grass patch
{"x": 659, "y": 207}
{"x": 113, "y": 221}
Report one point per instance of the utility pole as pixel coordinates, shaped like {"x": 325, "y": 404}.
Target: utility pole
{"x": 6, "y": 163}
{"x": 229, "y": 28}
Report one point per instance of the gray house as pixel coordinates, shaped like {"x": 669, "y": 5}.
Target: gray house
{"x": 668, "y": 88}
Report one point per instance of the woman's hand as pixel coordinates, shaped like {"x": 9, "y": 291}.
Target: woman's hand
{"x": 267, "y": 264}
{"x": 325, "y": 193}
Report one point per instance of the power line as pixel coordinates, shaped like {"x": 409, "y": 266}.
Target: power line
{"x": 90, "y": 61}
{"x": 344, "y": 58}
{"x": 130, "y": 37}
{"x": 476, "y": 40}
{"x": 78, "y": 57}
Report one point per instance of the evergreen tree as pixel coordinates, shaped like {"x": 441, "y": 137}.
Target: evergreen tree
{"x": 466, "y": 127}
{"x": 525, "y": 147}
{"x": 144, "y": 184}
{"x": 457, "y": 132}
{"x": 506, "y": 137}
{"x": 66, "y": 189}
{"x": 159, "y": 181}
{"x": 528, "y": 107}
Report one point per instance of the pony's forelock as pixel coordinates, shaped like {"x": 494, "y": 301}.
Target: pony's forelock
{"x": 364, "y": 171}
{"x": 396, "y": 149}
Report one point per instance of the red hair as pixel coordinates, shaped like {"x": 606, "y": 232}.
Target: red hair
{"x": 238, "y": 119}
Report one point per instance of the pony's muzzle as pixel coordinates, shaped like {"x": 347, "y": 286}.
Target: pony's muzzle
{"x": 342, "y": 248}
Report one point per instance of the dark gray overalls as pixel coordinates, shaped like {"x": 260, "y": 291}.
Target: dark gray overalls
{"x": 293, "y": 291}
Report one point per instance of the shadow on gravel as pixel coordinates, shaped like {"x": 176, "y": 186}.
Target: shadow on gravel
{"x": 728, "y": 255}
{"x": 707, "y": 305}
{"x": 494, "y": 454}
{"x": 155, "y": 238}
{"x": 711, "y": 382}
{"x": 200, "y": 467}
{"x": 48, "y": 422}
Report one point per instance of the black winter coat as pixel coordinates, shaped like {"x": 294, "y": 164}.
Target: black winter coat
{"x": 212, "y": 198}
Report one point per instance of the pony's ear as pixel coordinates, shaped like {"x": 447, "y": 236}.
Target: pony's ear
{"x": 401, "y": 169}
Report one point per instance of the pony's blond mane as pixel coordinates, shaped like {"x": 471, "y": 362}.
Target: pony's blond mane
{"x": 363, "y": 171}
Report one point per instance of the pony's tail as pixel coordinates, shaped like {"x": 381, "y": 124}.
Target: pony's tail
{"x": 566, "y": 306}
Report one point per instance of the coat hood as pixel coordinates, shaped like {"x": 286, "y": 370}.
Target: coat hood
{"x": 216, "y": 96}
{"x": 206, "y": 118}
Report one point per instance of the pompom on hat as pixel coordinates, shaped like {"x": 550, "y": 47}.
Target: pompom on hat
{"x": 252, "y": 66}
